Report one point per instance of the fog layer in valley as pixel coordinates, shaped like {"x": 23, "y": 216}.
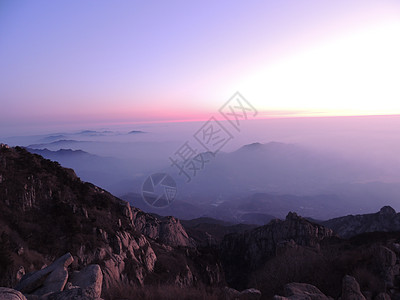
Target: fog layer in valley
{"x": 320, "y": 167}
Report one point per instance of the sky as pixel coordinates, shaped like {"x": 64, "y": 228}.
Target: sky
{"x": 95, "y": 63}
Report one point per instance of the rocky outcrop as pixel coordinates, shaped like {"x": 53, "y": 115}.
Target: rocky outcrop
{"x": 167, "y": 230}
{"x": 386, "y": 261}
{"x": 89, "y": 279}
{"x": 242, "y": 253}
{"x": 351, "y": 289}
{"x": 50, "y": 279}
{"x": 10, "y": 294}
{"x": 51, "y": 282}
{"x": 47, "y": 211}
{"x": 385, "y": 220}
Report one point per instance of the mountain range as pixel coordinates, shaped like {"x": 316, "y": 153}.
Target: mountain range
{"x": 48, "y": 211}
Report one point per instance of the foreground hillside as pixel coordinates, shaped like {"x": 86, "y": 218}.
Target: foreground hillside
{"x": 47, "y": 211}
{"x": 57, "y": 233}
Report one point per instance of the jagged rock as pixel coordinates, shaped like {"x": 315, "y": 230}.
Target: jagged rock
{"x": 20, "y": 273}
{"x": 172, "y": 233}
{"x": 127, "y": 211}
{"x": 385, "y": 220}
{"x": 387, "y": 258}
{"x": 10, "y": 294}
{"x": 185, "y": 278}
{"x": 89, "y": 279}
{"x": 382, "y": 296}
{"x": 351, "y": 289}
{"x": 244, "y": 252}
{"x": 303, "y": 291}
{"x": 387, "y": 211}
{"x": 168, "y": 230}
{"x": 33, "y": 281}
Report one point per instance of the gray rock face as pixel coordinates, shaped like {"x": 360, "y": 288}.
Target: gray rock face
{"x": 351, "y": 289}
{"x": 304, "y": 291}
{"x": 54, "y": 282}
{"x": 51, "y": 283}
{"x": 386, "y": 259}
{"x": 89, "y": 279}
{"x": 10, "y": 294}
{"x": 168, "y": 230}
{"x": 51, "y": 278}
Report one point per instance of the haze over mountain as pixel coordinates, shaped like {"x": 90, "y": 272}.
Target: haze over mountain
{"x": 48, "y": 211}
{"x": 297, "y": 171}
{"x": 219, "y": 150}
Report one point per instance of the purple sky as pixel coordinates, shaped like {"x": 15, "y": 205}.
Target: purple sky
{"x": 98, "y": 62}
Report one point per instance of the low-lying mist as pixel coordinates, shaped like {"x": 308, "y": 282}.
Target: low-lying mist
{"x": 320, "y": 167}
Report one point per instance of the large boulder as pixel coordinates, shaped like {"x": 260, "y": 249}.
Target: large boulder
{"x": 303, "y": 291}
{"x": 89, "y": 279}
{"x": 351, "y": 289}
{"x": 10, "y": 294}
{"x": 50, "y": 279}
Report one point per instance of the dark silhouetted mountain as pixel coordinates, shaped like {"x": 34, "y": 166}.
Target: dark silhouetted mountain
{"x": 52, "y": 138}
{"x": 135, "y": 132}
{"x": 94, "y": 132}
{"x": 58, "y": 143}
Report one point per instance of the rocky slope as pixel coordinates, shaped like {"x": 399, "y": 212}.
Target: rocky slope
{"x": 48, "y": 211}
{"x": 385, "y": 220}
{"x": 243, "y": 253}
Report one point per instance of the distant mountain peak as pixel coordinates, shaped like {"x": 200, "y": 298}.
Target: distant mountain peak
{"x": 258, "y": 145}
{"x": 292, "y": 216}
{"x": 253, "y": 145}
{"x": 386, "y": 220}
{"x": 387, "y": 210}
{"x": 135, "y": 132}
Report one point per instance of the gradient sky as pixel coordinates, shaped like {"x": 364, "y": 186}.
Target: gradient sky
{"x": 96, "y": 62}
